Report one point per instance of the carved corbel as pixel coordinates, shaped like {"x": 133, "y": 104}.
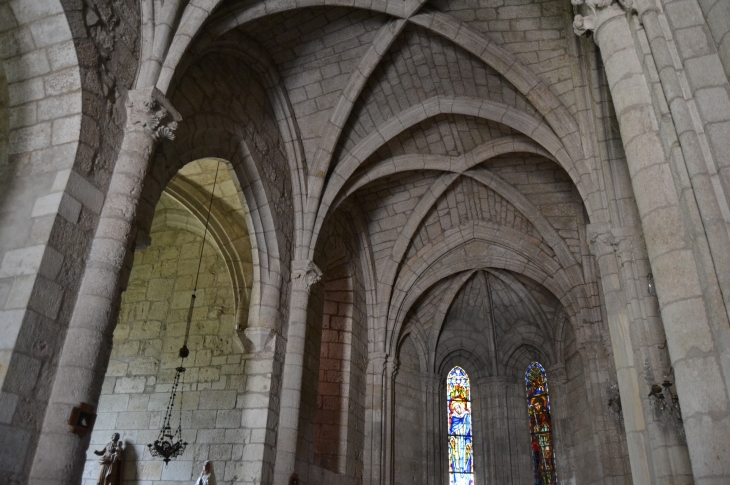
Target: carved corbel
{"x": 148, "y": 110}
{"x": 304, "y": 274}
{"x": 596, "y": 13}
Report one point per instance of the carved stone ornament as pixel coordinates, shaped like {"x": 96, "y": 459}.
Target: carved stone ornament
{"x": 305, "y": 274}
{"x": 600, "y": 11}
{"x": 148, "y": 110}
{"x": 600, "y": 239}
{"x": 625, "y": 242}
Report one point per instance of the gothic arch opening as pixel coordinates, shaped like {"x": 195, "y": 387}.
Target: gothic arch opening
{"x": 153, "y": 321}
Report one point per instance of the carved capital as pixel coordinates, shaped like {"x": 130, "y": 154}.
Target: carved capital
{"x": 600, "y": 239}
{"x": 595, "y": 12}
{"x": 623, "y": 241}
{"x": 149, "y": 111}
{"x": 304, "y": 274}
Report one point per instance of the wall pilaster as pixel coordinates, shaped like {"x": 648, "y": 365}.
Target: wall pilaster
{"x": 374, "y": 415}
{"x": 303, "y": 276}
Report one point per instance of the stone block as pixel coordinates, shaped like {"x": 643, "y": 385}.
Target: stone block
{"x": 30, "y": 138}
{"x": 178, "y": 471}
{"x": 127, "y": 385}
{"x": 13, "y": 445}
{"x": 144, "y": 366}
{"x": 66, "y": 130}
{"x": 50, "y": 30}
{"x": 217, "y": 400}
{"x": 62, "y": 55}
{"x": 159, "y": 289}
{"x": 714, "y": 104}
{"x": 59, "y": 106}
{"x": 26, "y": 66}
{"x": 228, "y": 418}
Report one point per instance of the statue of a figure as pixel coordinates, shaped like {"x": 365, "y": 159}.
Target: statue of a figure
{"x": 204, "y": 478}
{"x": 110, "y": 463}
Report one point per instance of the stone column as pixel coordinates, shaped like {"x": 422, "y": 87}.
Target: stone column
{"x": 435, "y": 415}
{"x": 374, "y": 414}
{"x": 60, "y": 455}
{"x": 388, "y": 421}
{"x": 304, "y": 274}
{"x": 686, "y": 287}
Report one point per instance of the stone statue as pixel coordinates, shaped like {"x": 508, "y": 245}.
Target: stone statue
{"x": 110, "y": 463}
{"x": 205, "y": 475}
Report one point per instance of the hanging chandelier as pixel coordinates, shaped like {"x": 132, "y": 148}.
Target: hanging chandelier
{"x": 169, "y": 444}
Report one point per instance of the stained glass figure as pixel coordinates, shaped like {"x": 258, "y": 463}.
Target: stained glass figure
{"x": 538, "y": 408}
{"x": 461, "y": 451}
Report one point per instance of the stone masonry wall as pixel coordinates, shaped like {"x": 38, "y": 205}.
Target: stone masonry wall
{"x": 147, "y": 338}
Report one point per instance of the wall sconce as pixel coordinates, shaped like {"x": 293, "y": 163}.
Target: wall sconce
{"x": 665, "y": 405}
{"x": 650, "y": 284}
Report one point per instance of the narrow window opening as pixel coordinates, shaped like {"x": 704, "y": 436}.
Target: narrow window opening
{"x": 461, "y": 451}
{"x": 541, "y": 428}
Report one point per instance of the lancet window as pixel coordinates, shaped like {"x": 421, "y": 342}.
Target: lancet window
{"x": 461, "y": 450}
{"x": 541, "y": 428}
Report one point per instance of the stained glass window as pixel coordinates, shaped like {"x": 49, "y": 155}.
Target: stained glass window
{"x": 541, "y": 428}
{"x": 461, "y": 452}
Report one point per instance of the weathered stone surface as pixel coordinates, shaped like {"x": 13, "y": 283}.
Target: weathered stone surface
{"x": 406, "y": 188}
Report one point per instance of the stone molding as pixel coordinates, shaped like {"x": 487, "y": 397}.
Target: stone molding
{"x": 148, "y": 110}
{"x": 304, "y": 274}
